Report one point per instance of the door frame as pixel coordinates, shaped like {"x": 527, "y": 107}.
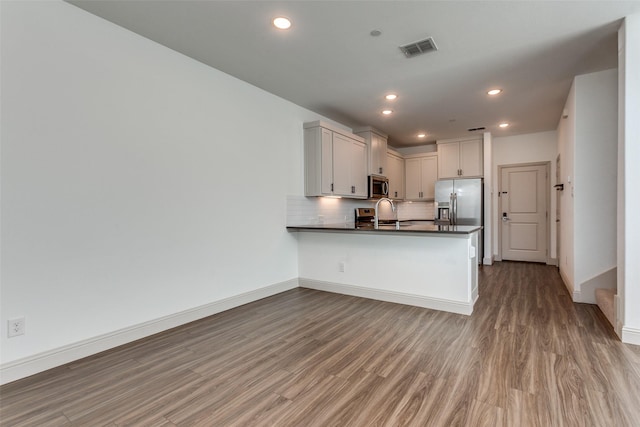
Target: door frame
{"x": 547, "y": 166}
{"x": 558, "y": 213}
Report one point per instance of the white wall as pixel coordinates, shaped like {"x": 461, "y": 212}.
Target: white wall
{"x": 587, "y": 143}
{"x": 519, "y": 149}
{"x": 418, "y": 149}
{"x": 131, "y": 178}
{"x": 566, "y": 147}
{"x": 489, "y": 195}
{"x": 629, "y": 181}
{"x": 595, "y": 170}
{"x": 328, "y": 210}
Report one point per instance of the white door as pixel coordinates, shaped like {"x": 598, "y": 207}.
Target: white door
{"x": 523, "y": 201}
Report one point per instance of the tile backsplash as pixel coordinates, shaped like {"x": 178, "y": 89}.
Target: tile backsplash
{"x": 316, "y": 210}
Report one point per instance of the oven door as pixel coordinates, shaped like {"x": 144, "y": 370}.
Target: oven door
{"x": 378, "y": 187}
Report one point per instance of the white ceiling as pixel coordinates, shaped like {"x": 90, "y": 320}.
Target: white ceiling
{"x": 329, "y": 63}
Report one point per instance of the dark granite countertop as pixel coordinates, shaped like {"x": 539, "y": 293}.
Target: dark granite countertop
{"x": 405, "y": 227}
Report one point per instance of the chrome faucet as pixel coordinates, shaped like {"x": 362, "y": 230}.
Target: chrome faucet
{"x": 375, "y": 216}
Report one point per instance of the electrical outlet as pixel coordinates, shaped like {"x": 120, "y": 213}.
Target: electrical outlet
{"x": 342, "y": 267}
{"x": 15, "y": 327}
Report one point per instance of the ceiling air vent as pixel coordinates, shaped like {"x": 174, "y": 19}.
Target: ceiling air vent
{"x": 475, "y": 129}
{"x": 417, "y": 48}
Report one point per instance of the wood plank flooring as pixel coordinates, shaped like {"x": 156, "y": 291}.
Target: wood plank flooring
{"x": 527, "y": 356}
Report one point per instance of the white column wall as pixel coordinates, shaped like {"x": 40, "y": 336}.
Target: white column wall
{"x": 131, "y": 177}
{"x": 566, "y": 148}
{"x": 594, "y": 185}
{"x": 629, "y": 179}
{"x": 489, "y": 196}
{"x": 588, "y": 152}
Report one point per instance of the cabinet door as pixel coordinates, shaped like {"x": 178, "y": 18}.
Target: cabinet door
{"x": 429, "y": 170}
{"x": 471, "y": 158}
{"x": 326, "y": 162}
{"x": 395, "y": 173}
{"x": 378, "y": 155}
{"x": 342, "y": 149}
{"x": 358, "y": 170}
{"x": 448, "y": 156}
{"x": 413, "y": 178}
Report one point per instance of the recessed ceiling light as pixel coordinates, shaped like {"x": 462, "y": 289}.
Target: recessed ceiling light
{"x": 422, "y": 135}
{"x": 391, "y": 96}
{"x": 386, "y": 112}
{"x": 504, "y": 125}
{"x": 282, "y": 23}
{"x": 494, "y": 91}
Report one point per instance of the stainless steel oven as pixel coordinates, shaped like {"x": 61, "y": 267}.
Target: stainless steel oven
{"x": 378, "y": 186}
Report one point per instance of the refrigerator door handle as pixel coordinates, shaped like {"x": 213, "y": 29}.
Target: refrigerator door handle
{"x": 455, "y": 208}
{"x": 452, "y": 218}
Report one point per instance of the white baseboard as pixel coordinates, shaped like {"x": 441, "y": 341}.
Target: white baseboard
{"x": 576, "y": 296}
{"x": 488, "y": 260}
{"x": 631, "y": 335}
{"x": 553, "y": 261}
{"x": 27, "y": 366}
{"x": 569, "y": 287}
{"x": 389, "y": 296}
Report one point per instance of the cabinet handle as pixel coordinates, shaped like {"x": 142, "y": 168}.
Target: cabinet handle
{"x": 353, "y": 189}
{"x": 332, "y": 187}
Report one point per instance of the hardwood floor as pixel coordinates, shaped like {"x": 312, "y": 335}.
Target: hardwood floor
{"x": 527, "y": 356}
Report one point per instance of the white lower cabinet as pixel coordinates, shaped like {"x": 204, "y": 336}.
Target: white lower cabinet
{"x": 335, "y": 162}
{"x": 395, "y": 173}
{"x": 421, "y": 174}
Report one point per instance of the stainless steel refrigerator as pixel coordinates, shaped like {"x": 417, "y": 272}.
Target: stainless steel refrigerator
{"x": 460, "y": 202}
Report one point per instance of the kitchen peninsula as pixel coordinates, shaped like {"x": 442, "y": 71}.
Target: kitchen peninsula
{"x": 424, "y": 265}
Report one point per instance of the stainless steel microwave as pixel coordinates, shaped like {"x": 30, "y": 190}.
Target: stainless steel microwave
{"x": 378, "y": 186}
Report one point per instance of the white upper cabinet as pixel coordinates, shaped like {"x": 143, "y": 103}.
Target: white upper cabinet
{"x": 395, "y": 173}
{"x": 376, "y": 150}
{"x": 421, "y": 174}
{"x": 335, "y": 162}
{"x": 460, "y": 158}
{"x": 359, "y": 180}
{"x": 449, "y": 160}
